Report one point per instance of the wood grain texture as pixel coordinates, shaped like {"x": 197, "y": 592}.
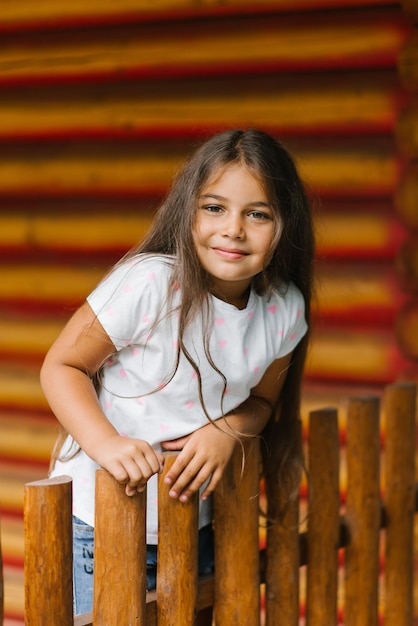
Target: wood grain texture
{"x": 282, "y": 42}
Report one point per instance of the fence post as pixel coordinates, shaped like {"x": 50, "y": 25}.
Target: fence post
{"x": 48, "y": 552}
{"x": 119, "y": 554}
{"x": 363, "y": 510}
{"x": 399, "y": 459}
{"x": 283, "y": 556}
{"x": 177, "y": 571}
{"x": 323, "y": 518}
{"x": 237, "y": 570}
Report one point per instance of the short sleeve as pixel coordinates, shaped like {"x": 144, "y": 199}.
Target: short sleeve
{"x": 127, "y": 301}
{"x": 293, "y": 324}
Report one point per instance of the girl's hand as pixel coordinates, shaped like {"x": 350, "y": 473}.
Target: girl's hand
{"x": 131, "y": 461}
{"x": 204, "y": 454}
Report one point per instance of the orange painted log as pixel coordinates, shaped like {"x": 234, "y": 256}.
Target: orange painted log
{"x": 119, "y": 554}
{"x": 184, "y": 108}
{"x": 136, "y": 170}
{"x": 355, "y": 355}
{"x": 177, "y": 570}
{"x": 399, "y": 460}
{"x": 28, "y": 13}
{"x": 323, "y": 518}
{"x": 48, "y": 552}
{"x": 363, "y": 510}
{"x": 237, "y": 578}
{"x": 283, "y": 556}
{"x": 275, "y": 41}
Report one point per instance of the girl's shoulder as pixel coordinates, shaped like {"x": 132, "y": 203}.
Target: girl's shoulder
{"x": 133, "y": 278}
{"x": 141, "y": 268}
{"x": 145, "y": 262}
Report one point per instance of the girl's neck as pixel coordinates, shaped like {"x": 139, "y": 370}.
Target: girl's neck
{"x": 239, "y": 300}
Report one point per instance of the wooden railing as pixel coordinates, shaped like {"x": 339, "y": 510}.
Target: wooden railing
{"x": 337, "y": 518}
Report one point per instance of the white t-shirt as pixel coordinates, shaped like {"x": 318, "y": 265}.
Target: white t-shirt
{"x": 243, "y": 343}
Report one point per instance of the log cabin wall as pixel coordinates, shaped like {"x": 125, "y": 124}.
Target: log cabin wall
{"x": 99, "y": 103}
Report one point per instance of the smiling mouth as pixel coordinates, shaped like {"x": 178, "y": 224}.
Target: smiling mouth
{"x": 230, "y": 254}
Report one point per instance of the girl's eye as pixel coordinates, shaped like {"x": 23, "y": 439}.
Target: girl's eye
{"x": 259, "y": 215}
{"x": 213, "y": 208}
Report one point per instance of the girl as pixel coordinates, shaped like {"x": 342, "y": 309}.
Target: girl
{"x": 192, "y": 341}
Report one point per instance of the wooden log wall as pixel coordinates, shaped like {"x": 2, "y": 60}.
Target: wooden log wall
{"x": 99, "y": 103}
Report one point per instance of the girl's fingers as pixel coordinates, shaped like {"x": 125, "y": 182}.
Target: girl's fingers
{"x": 216, "y": 476}
{"x": 190, "y": 481}
{"x": 135, "y": 471}
{"x": 180, "y": 464}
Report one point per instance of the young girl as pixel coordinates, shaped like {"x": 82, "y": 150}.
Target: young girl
{"x": 196, "y": 338}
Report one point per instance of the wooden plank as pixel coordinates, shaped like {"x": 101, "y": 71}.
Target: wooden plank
{"x": 11, "y": 533}
{"x": 47, "y": 283}
{"x": 13, "y": 477}
{"x": 399, "y": 461}
{"x": 323, "y": 518}
{"x": 366, "y": 355}
{"x": 75, "y": 232}
{"x": 27, "y": 438}
{"x": 283, "y": 553}
{"x": 236, "y": 511}
{"x": 363, "y": 513}
{"x": 357, "y": 231}
{"x": 366, "y": 290}
{"x": 119, "y": 546}
{"x": 26, "y": 13}
{"x": 108, "y": 171}
{"x": 354, "y": 103}
{"x": 283, "y": 42}
{"x": 177, "y": 568}
{"x": 48, "y": 552}
{"x": 20, "y": 387}
{"x": 13, "y": 596}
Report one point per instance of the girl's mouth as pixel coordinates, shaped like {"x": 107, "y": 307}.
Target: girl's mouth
{"x": 229, "y": 253}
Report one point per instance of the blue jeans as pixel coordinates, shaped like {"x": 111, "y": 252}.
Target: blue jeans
{"x": 83, "y": 558}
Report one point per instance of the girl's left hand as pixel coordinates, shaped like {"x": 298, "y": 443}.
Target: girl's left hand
{"x": 204, "y": 454}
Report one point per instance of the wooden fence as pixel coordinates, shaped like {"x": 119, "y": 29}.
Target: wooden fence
{"x": 351, "y": 519}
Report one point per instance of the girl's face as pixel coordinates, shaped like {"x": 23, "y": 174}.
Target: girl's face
{"x": 234, "y": 229}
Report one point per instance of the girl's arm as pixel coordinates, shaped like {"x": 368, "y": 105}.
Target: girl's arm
{"x": 66, "y": 375}
{"x": 206, "y": 452}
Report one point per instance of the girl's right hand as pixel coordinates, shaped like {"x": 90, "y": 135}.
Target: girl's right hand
{"x": 131, "y": 461}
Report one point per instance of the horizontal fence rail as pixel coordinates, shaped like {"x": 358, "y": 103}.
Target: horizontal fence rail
{"x": 381, "y": 494}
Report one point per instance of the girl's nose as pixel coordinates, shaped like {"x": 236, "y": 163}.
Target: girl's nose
{"x": 233, "y": 227}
